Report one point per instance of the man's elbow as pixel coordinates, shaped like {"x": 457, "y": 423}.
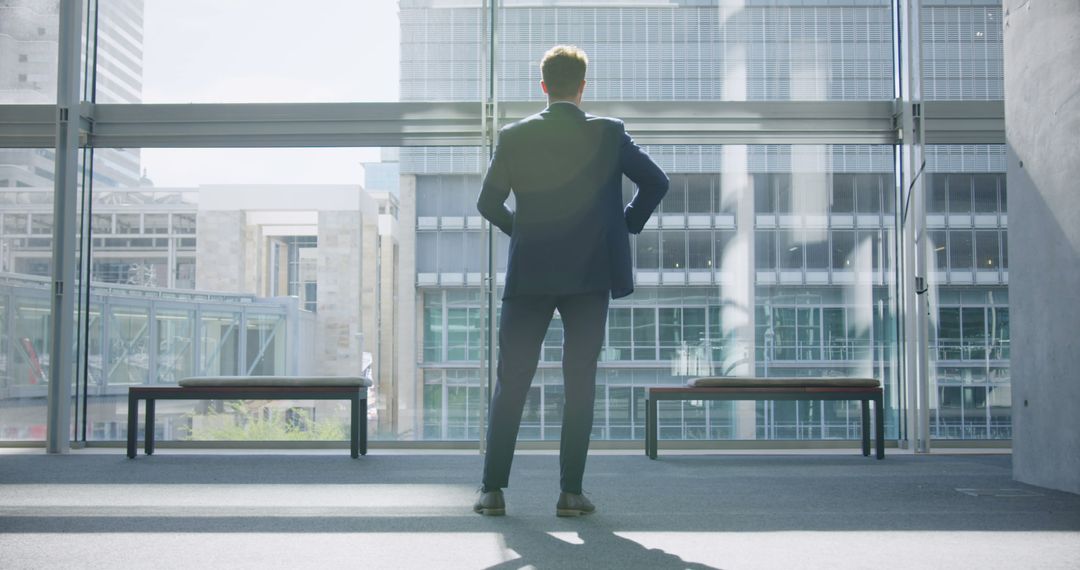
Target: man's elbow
{"x": 662, "y": 185}
{"x": 484, "y": 207}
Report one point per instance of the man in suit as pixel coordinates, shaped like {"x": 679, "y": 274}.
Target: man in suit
{"x": 570, "y": 251}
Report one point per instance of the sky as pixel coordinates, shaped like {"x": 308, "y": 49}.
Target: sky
{"x": 258, "y": 51}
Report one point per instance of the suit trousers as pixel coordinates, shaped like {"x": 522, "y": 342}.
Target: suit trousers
{"x": 522, "y": 327}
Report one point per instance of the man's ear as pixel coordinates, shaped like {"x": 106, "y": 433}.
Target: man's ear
{"x": 544, "y": 87}
{"x": 581, "y": 90}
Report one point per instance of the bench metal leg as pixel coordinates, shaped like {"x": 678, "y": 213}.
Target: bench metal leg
{"x": 647, "y": 420}
{"x": 132, "y": 425}
{"x": 653, "y": 427}
{"x": 865, "y": 427}
{"x": 879, "y": 425}
{"x": 149, "y": 437}
{"x": 354, "y": 432}
{"x": 363, "y": 426}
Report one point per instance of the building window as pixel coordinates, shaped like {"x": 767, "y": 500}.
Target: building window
{"x": 648, "y": 250}
{"x": 843, "y": 194}
{"x": 127, "y": 224}
{"x": 102, "y": 224}
{"x": 674, "y": 202}
{"x": 156, "y": 223}
{"x": 183, "y": 223}
{"x": 294, "y": 269}
{"x": 700, "y": 249}
{"x": 960, "y": 249}
{"x": 986, "y": 250}
{"x": 764, "y": 250}
{"x": 674, "y": 243}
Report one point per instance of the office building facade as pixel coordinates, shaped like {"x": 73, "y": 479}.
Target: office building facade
{"x": 763, "y": 260}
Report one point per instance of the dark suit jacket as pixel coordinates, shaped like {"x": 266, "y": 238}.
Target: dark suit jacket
{"x": 569, "y": 232}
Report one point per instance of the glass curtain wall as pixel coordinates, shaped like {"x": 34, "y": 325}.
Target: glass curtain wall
{"x": 967, "y": 223}
{"x": 29, "y": 47}
{"x": 265, "y": 261}
{"x": 764, "y": 259}
{"x": 272, "y": 274}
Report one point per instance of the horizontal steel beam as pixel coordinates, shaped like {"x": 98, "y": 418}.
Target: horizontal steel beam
{"x": 287, "y": 125}
{"x": 459, "y": 123}
{"x": 744, "y": 122}
{"x": 27, "y": 126}
{"x": 964, "y": 122}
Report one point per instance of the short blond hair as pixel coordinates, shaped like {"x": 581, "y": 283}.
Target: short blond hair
{"x": 563, "y": 70}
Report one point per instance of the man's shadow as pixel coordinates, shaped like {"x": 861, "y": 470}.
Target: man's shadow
{"x": 600, "y": 547}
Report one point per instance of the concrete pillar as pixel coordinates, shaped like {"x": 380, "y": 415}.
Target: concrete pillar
{"x": 221, "y": 238}
{"x": 410, "y": 393}
{"x": 340, "y": 293}
{"x": 386, "y": 326}
{"x": 1042, "y": 116}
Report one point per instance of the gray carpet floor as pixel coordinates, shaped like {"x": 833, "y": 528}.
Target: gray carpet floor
{"x": 193, "y": 510}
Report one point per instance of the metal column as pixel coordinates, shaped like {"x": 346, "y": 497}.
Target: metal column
{"x": 61, "y": 341}
{"x": 912, "y": 233}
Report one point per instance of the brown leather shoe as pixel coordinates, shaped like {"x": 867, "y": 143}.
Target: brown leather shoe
{"x": 571, "y": 505}
{"x": 490, "y": 504}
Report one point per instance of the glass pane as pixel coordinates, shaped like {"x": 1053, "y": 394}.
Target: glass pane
{"x": 145, "y": 53}
{"x": 971, "y": 300}
{"x": 785, "y": 199}
{"x": 939, "y": 194}
{"x": 817, "y": 250}
{"x": 620, "y": 335}
{"x": 764, "y": 249}
{"x": 868, "y": 194}
{"x": 674, "y": 202}
{"x": 648, "y": 250}
{"x": 229, "y": 262}
{"x": 959, "y": 194}
{"x": 973, "y": 320}
{"x": 938, "y": 245}
{"x": 948, "y": 334}
{"x": 985, "y": 191}
{"x": 960, "y": 249}
{"x": 764, "y": 194}
{"x": 28, "y": 52}
{"x": 986, "y": 250}
{"x": 962, "y": 47}
{"x": 671, "y": 333}
{"x": 702, "y": 51}
{"x": 644, "y": 334}
{"x": 700, "y": 189}
{"x": 843, "y": 244}
{"x": 700, "y": 249}
{"x": 674, "y": 248}
{"x": 843, "y": 194}
{"x": 427, "y": 247}
{"x": 791, "y": 249}
{"x": 26, "y": 260}
{"x": 451, "y": 251}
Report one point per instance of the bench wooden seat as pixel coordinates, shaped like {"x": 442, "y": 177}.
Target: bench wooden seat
{"x": 865, "y": 390}
{"x": 352, "y": 388}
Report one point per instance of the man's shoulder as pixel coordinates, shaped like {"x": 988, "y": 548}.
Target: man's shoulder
{"x": 510, "y": 131}
{"x": 522, "y": 128}
{"x": 521, "y": 123}
{"x": 602, "y": 119}
{"x": 610, "y": 122}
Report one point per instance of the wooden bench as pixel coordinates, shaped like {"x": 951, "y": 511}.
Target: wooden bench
{"x": 353, "y": 389}
{"x": 865, "y": 390}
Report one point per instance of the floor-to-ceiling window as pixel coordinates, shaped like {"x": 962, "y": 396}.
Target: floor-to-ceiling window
{"x": 314, "y": 212}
